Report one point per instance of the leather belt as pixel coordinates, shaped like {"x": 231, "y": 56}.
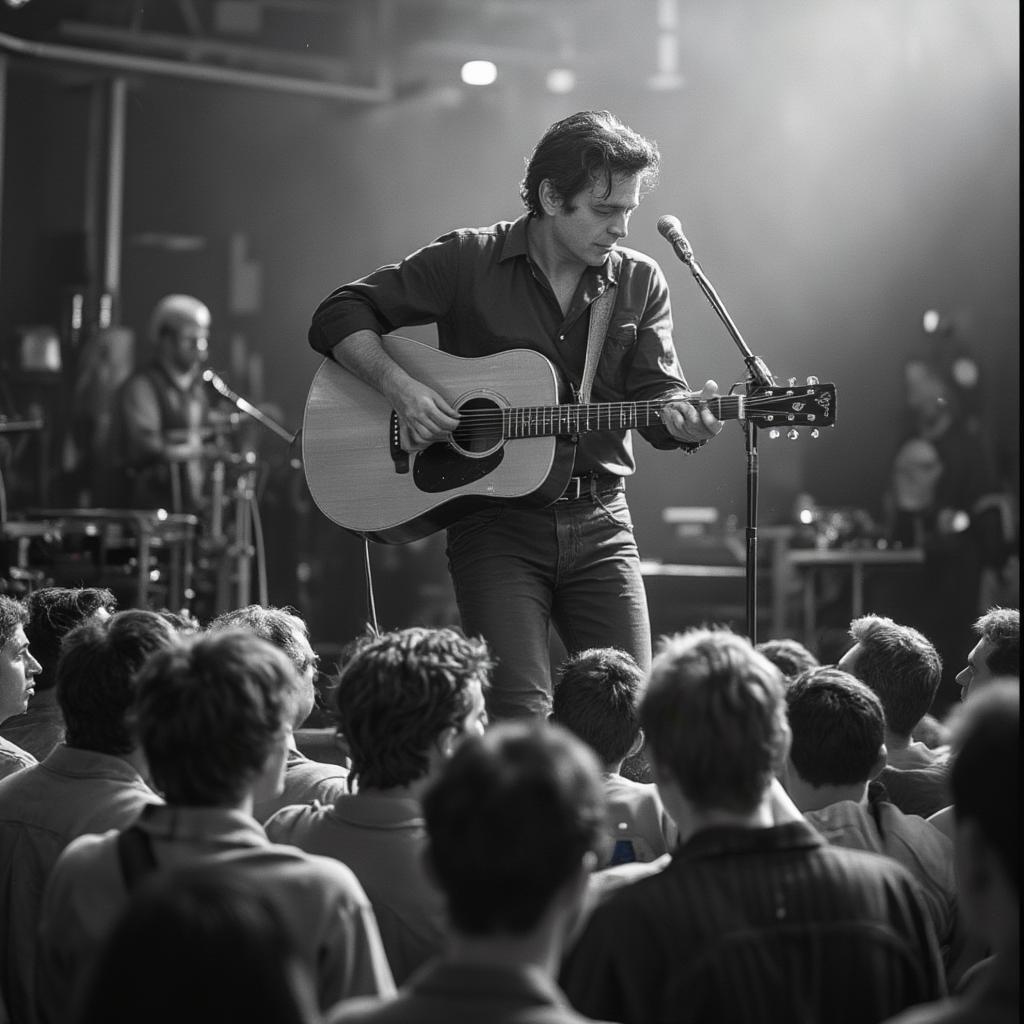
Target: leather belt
{"x": 589, "y": 485}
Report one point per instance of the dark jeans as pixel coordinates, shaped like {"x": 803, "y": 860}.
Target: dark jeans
{"x": 574, "y": 565}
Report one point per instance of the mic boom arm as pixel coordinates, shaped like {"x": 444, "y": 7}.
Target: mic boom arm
{"x": 670, "y": 228}
{"x": 243, "y": 405}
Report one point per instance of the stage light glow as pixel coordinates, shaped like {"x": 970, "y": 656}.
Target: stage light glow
{"x": 561, "y": 80}
{"x": 931, "y": 320}
{"x": 479, "y": 72}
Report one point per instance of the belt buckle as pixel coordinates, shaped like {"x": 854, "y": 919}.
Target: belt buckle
{"x": 574, "y": 489}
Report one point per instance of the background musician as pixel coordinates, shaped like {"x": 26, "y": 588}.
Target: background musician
{"x": 162, "y": 415}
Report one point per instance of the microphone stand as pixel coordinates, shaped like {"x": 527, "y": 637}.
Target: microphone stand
{"x": 759, "y": 375}
{"x": 242, "y": 405}
{"x": 248, "y": 528}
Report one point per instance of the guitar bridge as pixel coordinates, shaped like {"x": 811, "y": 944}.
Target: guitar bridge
{"x": 399, "y": 456}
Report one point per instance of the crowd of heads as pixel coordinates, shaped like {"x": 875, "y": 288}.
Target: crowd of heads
{"x": 515, "y": 812}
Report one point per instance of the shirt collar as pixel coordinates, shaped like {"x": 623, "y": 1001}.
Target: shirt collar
{"x": 727, "y": 840}
{"x": 75, "y": 761}
{"x": 217, "y": 826}
{"x": 379, "y": 810}
{"x": 515, "y": 244}
{"x": 457, "y": 981}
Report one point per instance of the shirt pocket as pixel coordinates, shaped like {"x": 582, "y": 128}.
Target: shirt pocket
{"x": 622, "y": 335}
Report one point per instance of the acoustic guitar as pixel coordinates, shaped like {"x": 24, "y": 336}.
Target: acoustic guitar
{"x": 515, "y": 441}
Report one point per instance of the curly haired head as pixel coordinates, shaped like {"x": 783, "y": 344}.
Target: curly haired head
{"x": 397, "y": 695}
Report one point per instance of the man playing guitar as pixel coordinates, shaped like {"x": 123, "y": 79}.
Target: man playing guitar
{"x": 533, "y": 284}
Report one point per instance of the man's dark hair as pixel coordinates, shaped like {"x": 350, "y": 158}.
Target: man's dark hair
{"x": 209, "y": 711}
{"x": 597, "y": 698}
{"x": 13, "y": 613}
{"x": 398, "y": 693}
{"x": 985, "y": 778}
{"x": 1001, "y": 628}
{"x": 282, "y": 627}
{"x": 53, "y": 612}
{"x": 96, "y": 677}
{"x": 582, "y": 150}
{"x": 510, "y": 819}
{"x": 838, "y": 727}
{"x": 901, "y": 665}
{"x": 715, "y": 718}
{"x": 789, "y": 656}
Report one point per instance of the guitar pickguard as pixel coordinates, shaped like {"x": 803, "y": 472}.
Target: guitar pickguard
{"x": 441, "y": 468}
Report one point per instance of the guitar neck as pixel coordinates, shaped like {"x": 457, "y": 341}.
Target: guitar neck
{"x": 552, "y": 420}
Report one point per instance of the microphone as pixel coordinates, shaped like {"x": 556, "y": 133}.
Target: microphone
{"x": 217, "y": 382}
{"x": 672, "y": 231}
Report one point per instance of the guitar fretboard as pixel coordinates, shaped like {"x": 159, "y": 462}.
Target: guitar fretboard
{"x": 552, "y": 420}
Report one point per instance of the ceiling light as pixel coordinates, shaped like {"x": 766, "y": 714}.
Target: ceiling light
{"x": 479, "y": 72}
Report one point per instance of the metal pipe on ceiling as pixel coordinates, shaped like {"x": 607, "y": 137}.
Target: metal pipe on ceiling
{"x": 126, "y": 62}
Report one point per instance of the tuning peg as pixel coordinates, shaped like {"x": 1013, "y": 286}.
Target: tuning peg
{"x": 812, "y": 380}
{"x": 792, "y": 382}
{"x": 792, "y": 433}
{"x": 815, "y": 432}
{"x": 774, "y": 433}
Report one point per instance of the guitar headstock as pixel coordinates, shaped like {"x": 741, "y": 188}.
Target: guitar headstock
{"x": 780, "y": 407}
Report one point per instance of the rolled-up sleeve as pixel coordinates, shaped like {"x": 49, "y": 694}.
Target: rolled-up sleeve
{"x": 418, "y": 290}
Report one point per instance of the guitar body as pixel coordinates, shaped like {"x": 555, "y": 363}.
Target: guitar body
{"x": 362, "y": 480}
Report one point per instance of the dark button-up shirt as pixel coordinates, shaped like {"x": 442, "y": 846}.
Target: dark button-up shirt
{"x": 758, "y": 925}
{"x": 486, "y": 295}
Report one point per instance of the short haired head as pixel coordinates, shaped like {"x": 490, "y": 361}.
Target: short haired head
{"x": 900, "y": 664}
{"x": 13, "y": 614}
{"x": 597, "y": 698}
{"x": 511, "y": 818}
{"x": 985, "y": 778}
{"x": 838, "y": 728}
{"x": 715, "y": 719}
{"x": 1000, "y": 627}
{"x": 53, "y": 613}
{"x": 400, "y": 693}
{"x": 789, "y": 656}
{"x": 287, "y": 631}
{"x": 222, "y": 932}
{"x": 175, "y": 312}
{"x": 96, "y": 677}
{"x": 209, "y": 713}
{"x": 587, "y": 149}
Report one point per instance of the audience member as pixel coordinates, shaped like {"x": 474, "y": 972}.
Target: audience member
{"x": 903, "y": 668}
{"x": 52, "y": 613}
{"x": 212, "y": 716}
{"x": 18, "y": 673}
{"x": 789, "y": 656}
{"x": 986, "y": 797}
{"x": 405, "y": 700}
{"x": 304, "y": 780}
{"x": 198, "y": 944}
{"x": 838, "y": 747}
{"x": 515, "y": 824}
{"x": 91, "y": 782}
{"x": 752, "y": 920}
{"x": 997, "y": 652}
{"x": 597, "y": 697}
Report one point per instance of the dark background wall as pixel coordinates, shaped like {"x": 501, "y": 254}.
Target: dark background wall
{"x": 839, "y": 168}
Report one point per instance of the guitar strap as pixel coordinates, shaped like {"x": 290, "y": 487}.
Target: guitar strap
{"x": 600, "y": 314}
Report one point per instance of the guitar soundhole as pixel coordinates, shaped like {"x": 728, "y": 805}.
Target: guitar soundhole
{"x": 480, "y": 429}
